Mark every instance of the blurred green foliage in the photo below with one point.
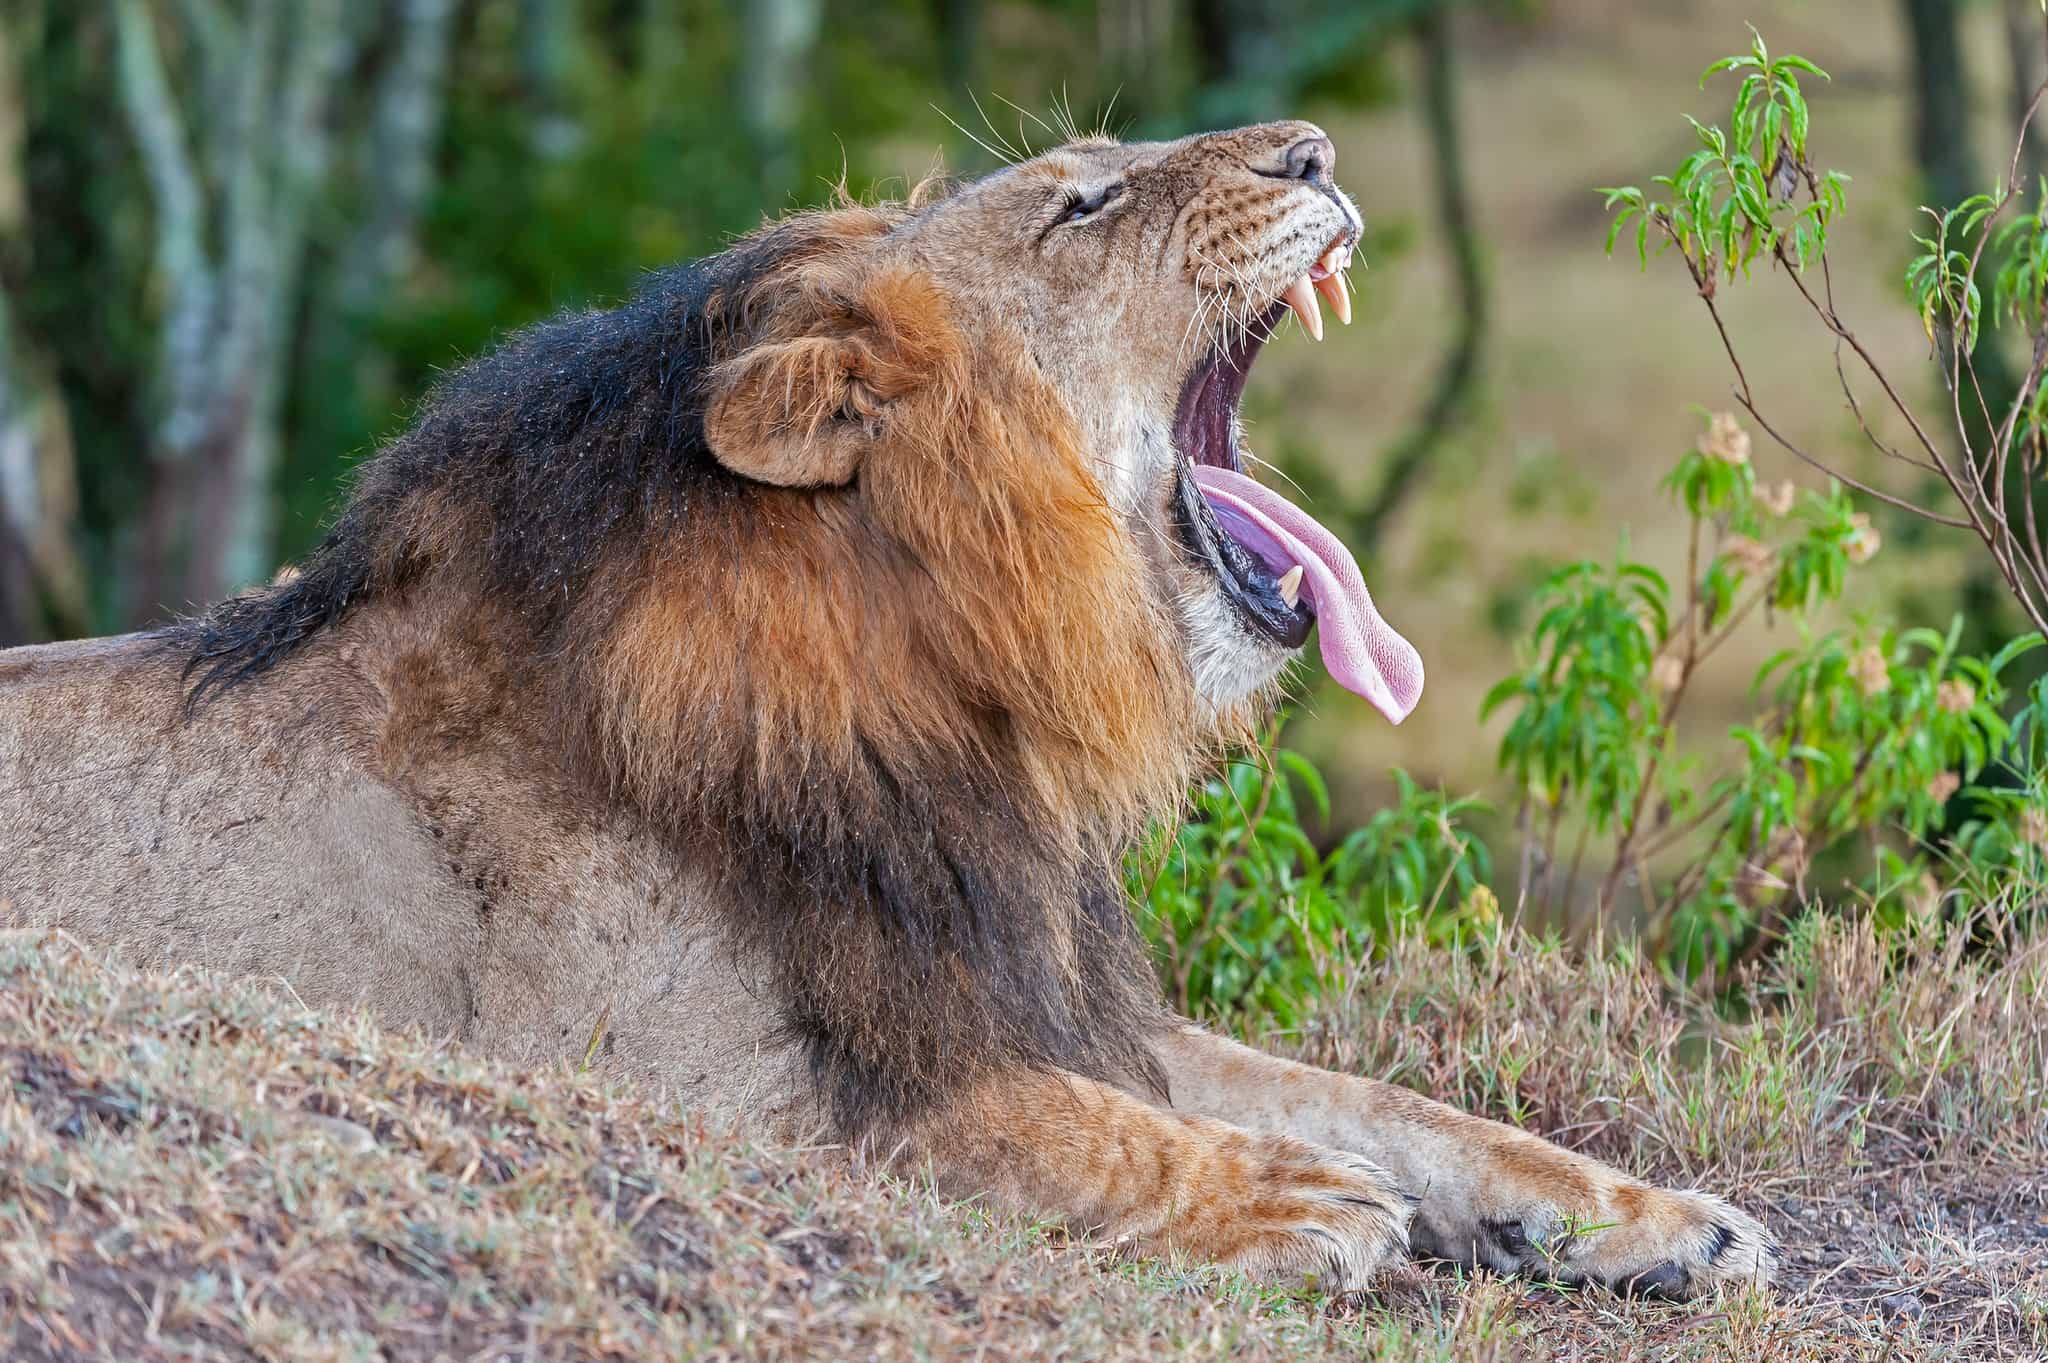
(581, 143)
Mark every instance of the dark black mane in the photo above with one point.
(561, 433)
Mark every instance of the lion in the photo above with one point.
(759, 685)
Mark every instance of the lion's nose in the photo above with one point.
(1294, 150)
(1312, 159)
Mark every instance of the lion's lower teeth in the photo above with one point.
(1290, 586)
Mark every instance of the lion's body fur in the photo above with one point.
(358, 828)
(755, 688)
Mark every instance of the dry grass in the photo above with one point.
(191, 1168)
(1886, 1111)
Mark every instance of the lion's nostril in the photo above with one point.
(1310, 159)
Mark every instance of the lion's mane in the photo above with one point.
(909, 725)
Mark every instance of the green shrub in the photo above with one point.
(1245, 909)
(1860, 735)
(1881, 765)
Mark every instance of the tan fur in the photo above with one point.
(811, 763)
(1489, 1194)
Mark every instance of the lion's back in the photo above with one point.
(340, 825)
(248, 837)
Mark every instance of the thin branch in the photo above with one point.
(1863, 424)
(1703, 281)
(1833, 322)
(1865, 488)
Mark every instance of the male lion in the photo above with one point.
(778, 667)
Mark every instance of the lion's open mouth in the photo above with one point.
(1279, 567)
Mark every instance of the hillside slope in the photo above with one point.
(195, 1168)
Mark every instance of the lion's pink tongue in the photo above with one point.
(1362, 651)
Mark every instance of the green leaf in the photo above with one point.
(1305, 772)
(2025, 644)
(1796, 116)
(1726, 64)
(1797, 63)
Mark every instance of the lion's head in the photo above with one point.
(1136, 283)
(898, 563)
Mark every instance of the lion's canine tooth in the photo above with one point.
(1301, 297)
(1290, 586)
(1333, 287)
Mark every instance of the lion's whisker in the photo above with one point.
(1278, 472)
(994, 132)
(1026, 113)
(1063, 109)
(1109, 111)
(1006, 160)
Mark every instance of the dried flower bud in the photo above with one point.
(2034, 826)
(1482, 906)
(1923, 897)
(1955, 696)
(1725, 439)
(1873, 675)
(1784, 176)
(1667, 672)
(1864, 541)
(1777, 498)
(1748, 555)
(1942, 786)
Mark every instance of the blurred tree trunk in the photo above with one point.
(959, 25)
(1941, 101)
(2025, 30)
(1136, 41)
(388, 175)
(778, 37)
(235, 141)
(1948, 169)
(42, 586)
(1948, 172)
(547, 57)
(1458, 371)
(398, 155)
(1235, 43)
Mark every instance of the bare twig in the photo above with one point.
(1832, 472)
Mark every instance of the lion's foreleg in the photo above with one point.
(1105, 1162)
(1490, 1194)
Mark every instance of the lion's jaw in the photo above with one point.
(1143, 278)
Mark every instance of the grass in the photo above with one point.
(198, 1168)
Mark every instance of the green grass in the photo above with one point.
(196, 1168)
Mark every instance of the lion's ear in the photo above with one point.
(804, 410)
(796, 413)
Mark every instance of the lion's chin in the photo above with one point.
(1237, 670)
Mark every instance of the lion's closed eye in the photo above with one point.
(1083, 205)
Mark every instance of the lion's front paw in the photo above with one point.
(1677, 1244)
(1642, 1241)
(1283, 1209)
